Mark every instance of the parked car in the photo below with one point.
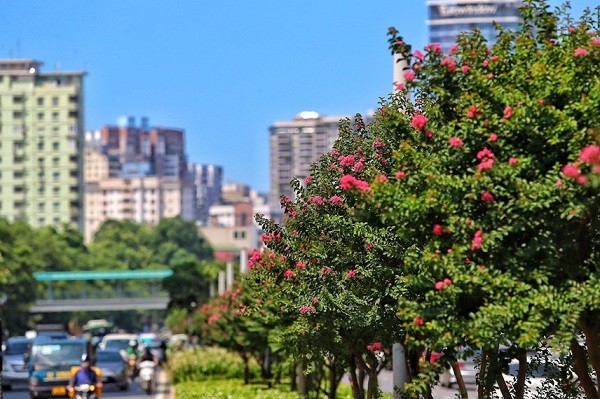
(113, 367)
(13, 367)
(468, 369)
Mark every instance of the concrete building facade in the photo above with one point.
(294, 146)
(208, 180)
(41, 144)
(448, 18)
(136, 173)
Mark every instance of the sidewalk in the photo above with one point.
(386, 383)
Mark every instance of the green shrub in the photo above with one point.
(235, 389)
(200, 364)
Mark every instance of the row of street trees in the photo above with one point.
(465, 215)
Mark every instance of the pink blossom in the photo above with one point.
(437, 229)
(419, 55)
(419, 322)
(399, 43)
(473, 111)
(485, 153)
(347, 160)
(307, 179)
(590, 154)
(582, 179)
(375, 346)
(381, 178)
(571, 171)
(486, 164)
(493, 137)
(348, 181)
(307, 309)
(428, 134)
(334, 152)
(289, 274)
(571, 29)
(315, 300)
(439, 285)
(400, 87)
(508, 112)
(326, 271)
(433, 47)
(490, 76)
(359, 166)
(485, 63)
(487, 197)
(513, 161)
(494, 58)
(558, 183)
(369, 246)
(351, 273)
(409, 76)
(418, 122)
(449, 63)
(378, 144)
(477, 240)
(316, 199)
(300, 265)
(400, 175)
(336, 200)
(455, 142)
(465, 68)
(581, 52)
(452, 50)
(447, 282)
(596, 41)
(417, 67)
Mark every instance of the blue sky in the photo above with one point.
(223, 70)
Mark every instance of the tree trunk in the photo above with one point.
(462, 389)
(246, 369)
(580, 367)
(372, 384)
(293, 377)
(356, 380)
(482, 374)
(522, 374)
(591, 334)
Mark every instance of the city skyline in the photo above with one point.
(223, 71)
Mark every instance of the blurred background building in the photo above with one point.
(449, 18)
(41, 125)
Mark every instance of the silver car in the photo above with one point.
(113, 367)
(468, 370)
(13, 368)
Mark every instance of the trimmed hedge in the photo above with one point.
(200, 364)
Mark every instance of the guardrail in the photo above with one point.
(72, 305)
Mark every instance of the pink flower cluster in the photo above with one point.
(473, 112)
(433, 47)
(455, 142)
(348, 181)
(487, 197)
(588, 155)
(300, 265)
(409, 76)
(326, 271)
(276, 236)
(347, 160)
(336, 200)
(507, 112)
(375, 346)
(351, 273)
(477, 240)
(307, 309)
(581, 52)
(449, 64)
(418, 122)
(400, 175)
(316, 199)
(254, 258)
(487, 159)
(437, 229)
(419, 322)
(440, 285)
(289, 274)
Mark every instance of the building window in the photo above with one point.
(56, 206)
(40, 145)
(40, 116)
(55, 116)
(40, 101)
(41, 206)
(41, 130)
(17, 114)
(56, 175)
(55, 190)
(55, 145)
(18, 100)
(41, 221)
(55, 130)
(54, 100)
(42, 190)
(56, 220)
(55, 161)
(18, 175)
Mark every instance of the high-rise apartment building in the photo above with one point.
(136, 173)
(294, 146)
(208, 180)
(41, 144)
(449, 18)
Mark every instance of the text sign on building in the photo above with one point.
(467, 10)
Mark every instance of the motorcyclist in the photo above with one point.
(85, 375)
(133, 354)
(132, 348)
(148, 355)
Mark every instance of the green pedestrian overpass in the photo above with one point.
(101, 290)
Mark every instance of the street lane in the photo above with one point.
(134, 391)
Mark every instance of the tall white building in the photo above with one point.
(208, 180)
(294, 146)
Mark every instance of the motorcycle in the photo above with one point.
(147, 375)
(84, 391)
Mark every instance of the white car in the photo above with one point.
(535, 380)
(116, 341)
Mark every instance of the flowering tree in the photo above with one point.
(494, 203)
(322, 271)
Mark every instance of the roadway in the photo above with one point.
(386, 384)
(134, 391)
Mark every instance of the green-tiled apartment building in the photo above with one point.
(41, 144)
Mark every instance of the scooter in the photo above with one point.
(84, 391)
(132, 368)
(147, 375)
